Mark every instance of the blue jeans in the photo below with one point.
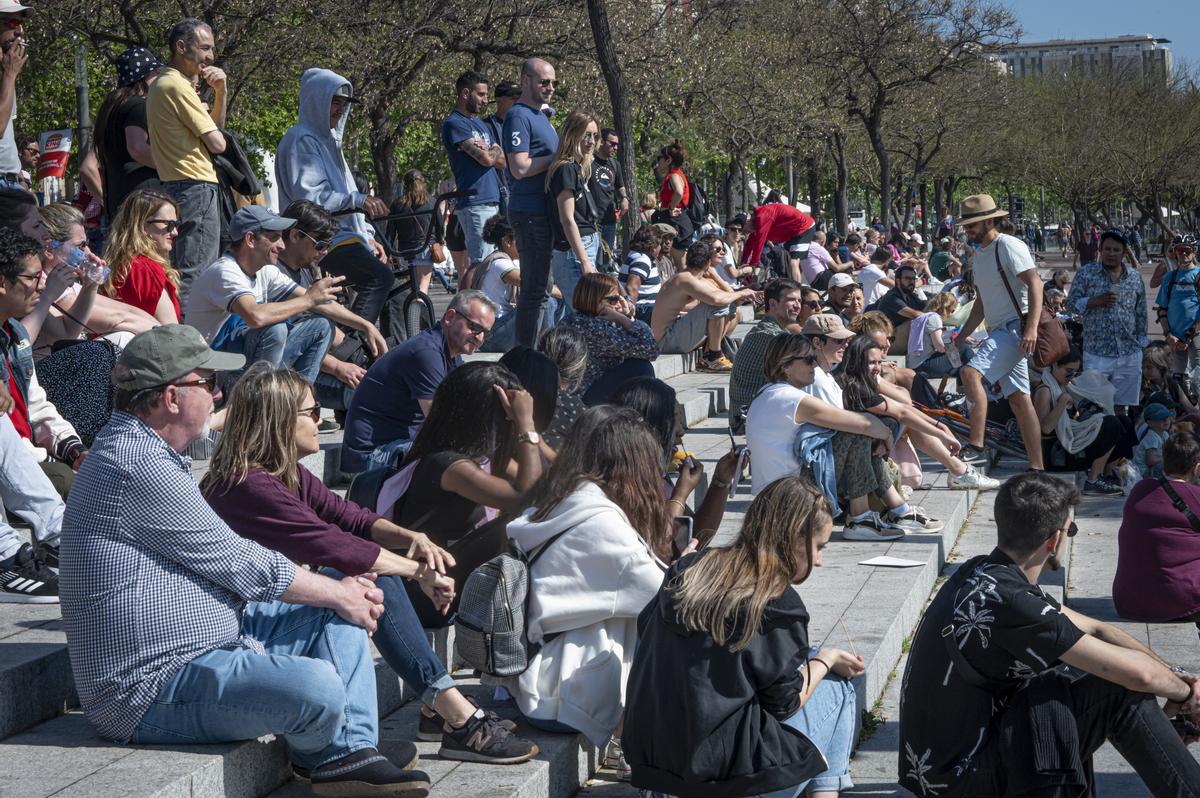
(608, 234)
(315, 687)
(389, 454)
(25, 492)
(331, 392)
(535, 242)
(199, 241)
(472, 218)
(504, 331)
(826, 719)
(402, 641)
(939, 365)
(565, 266)
(300, 345)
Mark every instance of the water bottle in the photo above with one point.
(86, 264)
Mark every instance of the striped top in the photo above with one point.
(640, 263)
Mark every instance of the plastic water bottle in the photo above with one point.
(86, 264)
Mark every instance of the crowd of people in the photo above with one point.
(246, 604)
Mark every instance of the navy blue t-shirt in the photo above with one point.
(528, 130)
(385, 405)
(468, 172)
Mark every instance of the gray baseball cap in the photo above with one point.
(253, 218)
(166, 353)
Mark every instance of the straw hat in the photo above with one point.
(978, 207)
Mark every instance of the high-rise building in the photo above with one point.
(1142, 55)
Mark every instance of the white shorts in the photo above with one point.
(1125, 373)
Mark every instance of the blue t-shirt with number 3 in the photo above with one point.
(527, 129)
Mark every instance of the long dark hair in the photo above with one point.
(614, 449)
(859, 386)
(654, 401)
(538, 375)
(115, 99)
(467, 416)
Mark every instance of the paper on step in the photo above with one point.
(891, 562)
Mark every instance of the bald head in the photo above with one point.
(537, 82)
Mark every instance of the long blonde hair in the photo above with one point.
(127, 239)
(570, 145)
(260, 428)
(725, 594)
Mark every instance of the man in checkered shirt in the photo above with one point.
(181, 631)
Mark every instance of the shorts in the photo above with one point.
(1125, 373)
(726, 311)
(798, 247)
(456, 239)
(1000, 359)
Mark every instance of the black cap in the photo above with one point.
(506, 88)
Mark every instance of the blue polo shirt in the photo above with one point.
(468, 172)
(526, 129)
(385, 405)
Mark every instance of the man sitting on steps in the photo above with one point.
(1036, 688)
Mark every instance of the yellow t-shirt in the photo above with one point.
(177, 119)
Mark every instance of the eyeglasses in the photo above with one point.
(1071, 374)
(613, 144)
(34, 149)
(169, 225)
(209, 383)
(320, 246)
(30, 281)
(544, 82)
(313, 412)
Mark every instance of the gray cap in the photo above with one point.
(253, 218)
(346, 93)
(166, 353)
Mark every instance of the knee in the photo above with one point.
(273, 335)
(379, 274)
(319, 695)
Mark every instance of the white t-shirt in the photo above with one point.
(494, 286)
(213, 292)
(825, 388)
(722, 269)
(997, 304)
(869, 278)
(771, 433)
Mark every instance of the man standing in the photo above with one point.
(13, 57)
(778, 223)
(529, 145)
(1036, 688)
(783, 299)
(309, 165)
(1012, 325)
(243, 303)
(1178, 306)
(1111, 298)
(506, 94)
(184, 135)
(396, 394)
(474, 157)
(217, 638)
(608, 190)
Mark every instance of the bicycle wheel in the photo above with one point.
(418, 314)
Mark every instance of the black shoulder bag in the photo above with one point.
(1179, 503)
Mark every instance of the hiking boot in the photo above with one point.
(368, 772)
(483, 738)
(871, 529)
(915, 520)
(714, 362)
(1101, 487)
(972, 480)
(26, 579)
(429, 728)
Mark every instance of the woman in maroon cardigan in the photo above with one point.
(1158, 562)
(257, 486)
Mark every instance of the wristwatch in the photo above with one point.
(529, 437)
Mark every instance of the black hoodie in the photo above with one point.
(701, 720)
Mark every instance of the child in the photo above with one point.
(1152, 434)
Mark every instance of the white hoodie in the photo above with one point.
(590, 586)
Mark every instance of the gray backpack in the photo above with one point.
(489, 628)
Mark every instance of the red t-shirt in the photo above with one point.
(20, 412)
(146, 281)
(666, 192)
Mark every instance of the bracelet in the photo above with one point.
(682, 506)
(720, 483)
(828, 668)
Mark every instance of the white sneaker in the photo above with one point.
(915, 520)
(872, 529)
(972, 480)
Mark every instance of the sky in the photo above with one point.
(1177, 20)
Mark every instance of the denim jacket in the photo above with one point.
(18, 350)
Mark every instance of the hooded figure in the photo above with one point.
(309, 164)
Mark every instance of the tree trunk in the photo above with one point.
(618, 93)
(867, 205)
(383, 138)
(814, 185)
(924, 209)
(789, 166)
(938, 202)
(730, 177)
(841, 199)
(885, 172)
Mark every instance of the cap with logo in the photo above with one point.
(828, 325)
(254, 218)
(162, 354)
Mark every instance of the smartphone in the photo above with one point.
(1185, 727)
(743, 458)
(683, 532)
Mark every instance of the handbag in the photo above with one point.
(437, 252)
(1052, 341)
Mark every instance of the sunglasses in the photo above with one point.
(812, 304)
(169, 225)
(1072, 530)
(809, 359)
(313, 412)
(209, 383)
(12, 24)
(544, 82)
(320, 246)
(475, 327)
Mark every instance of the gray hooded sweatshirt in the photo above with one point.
(309, 164)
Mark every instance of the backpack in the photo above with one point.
(489, 629)
(698, 207)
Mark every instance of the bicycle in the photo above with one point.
(416, 311)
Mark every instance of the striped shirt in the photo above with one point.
(151, 577)
(640, 263)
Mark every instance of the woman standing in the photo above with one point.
(725, 696)
(674, 197)
(572, 211)
(122, 142)
(139, 251)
